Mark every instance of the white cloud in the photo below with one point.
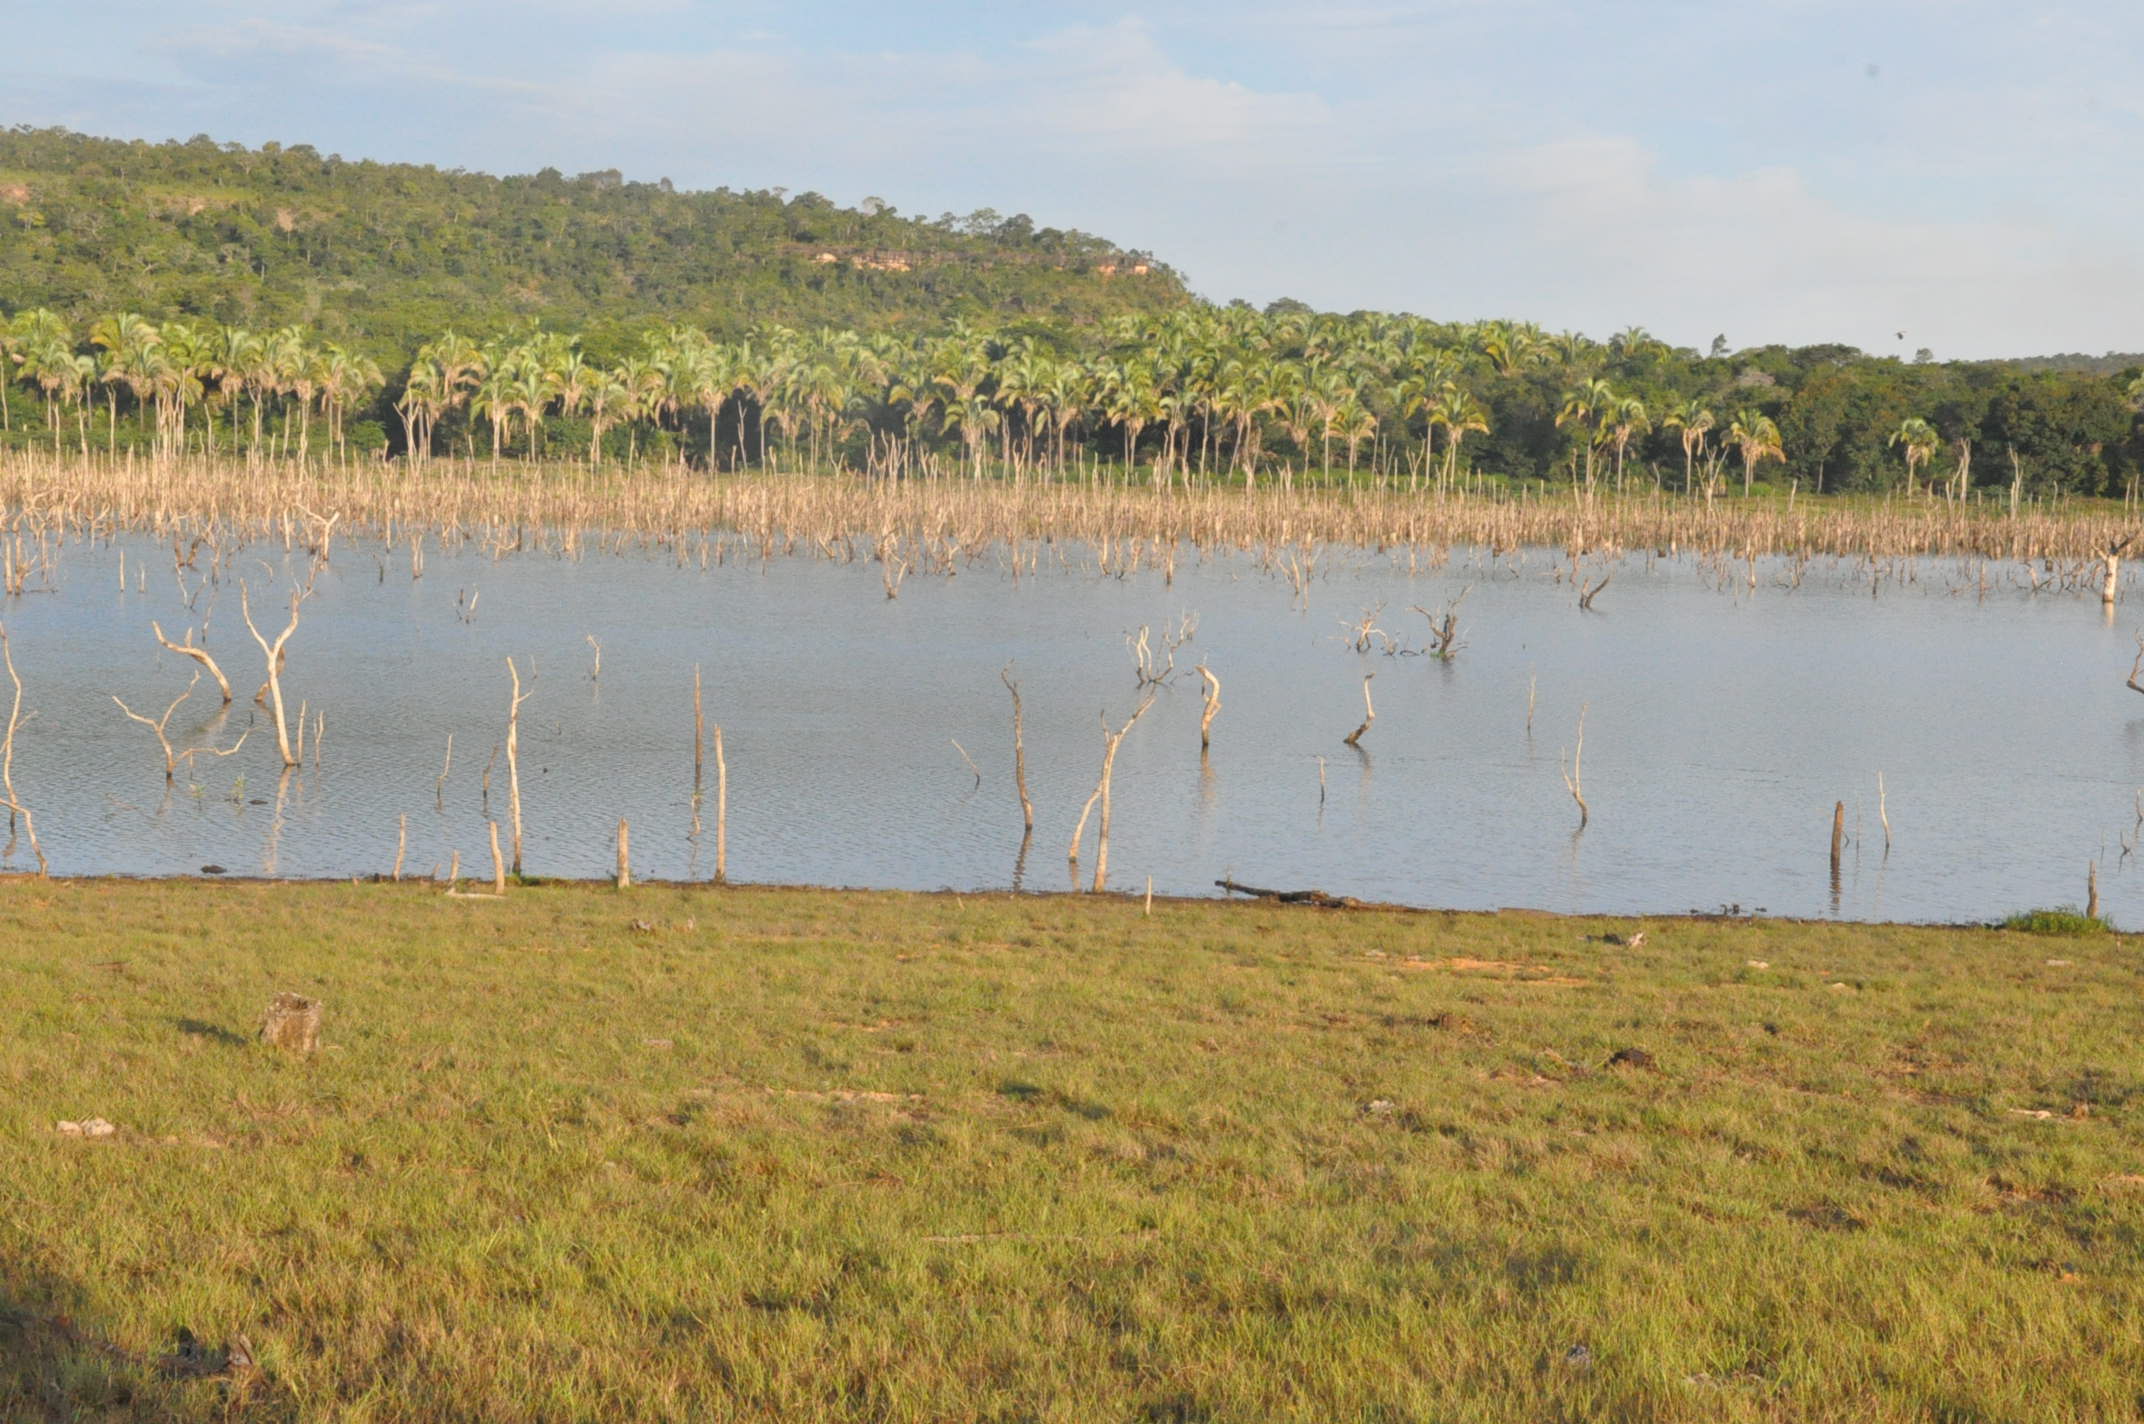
(1114, 86)
(1763, 254)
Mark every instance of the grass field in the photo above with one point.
(769, 1154)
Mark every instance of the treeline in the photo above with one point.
(1201, 393)
(379, 256)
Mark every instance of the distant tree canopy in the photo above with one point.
(196, 296)
(1197, 393)
(383, 255)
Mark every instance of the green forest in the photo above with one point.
(197, 297)
(379, 256)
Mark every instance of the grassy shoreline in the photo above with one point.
(686, 1152)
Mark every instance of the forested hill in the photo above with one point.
(385, 255)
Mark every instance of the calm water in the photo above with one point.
(1720, 726)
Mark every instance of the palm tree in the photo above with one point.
(1625, 418)
(1134, 404)
(178, 362)
(1695, 422)
(1327, 391)
(1459, 414)
(571, 380)
(607, 397)
(1757, 438)
(973, 417)
(495, 399)
(224, 359)
(914, 393)
(128, 341)
(425, 395)
(10, 357)
(640, 380)
(1919, 440)
(1636, 344)
(532, 388)
(47, 360)
(1588, 406)
(1023, 382)
(1355, 423)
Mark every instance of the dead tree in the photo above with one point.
(1587, 595)
(1444, 643)
(1575, 777)
(2111, 577)
(1369, 713)
(1212, 689)
(174, 759)
(1363, 633)
(513, 759)
(199, 655)
(1141, 645)
(15, 808)
(1109, 762)
(722, 811)
(1019, 749)
(1110, 742)
(274, 654)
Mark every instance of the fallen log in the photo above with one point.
(1290, 897)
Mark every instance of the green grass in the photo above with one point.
(2062, 920)
(799, 1155)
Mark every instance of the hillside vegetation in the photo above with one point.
(383, 255)
(207, 299)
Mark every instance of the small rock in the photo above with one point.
(1378, 1107)
(1631, 1058)
(1841, 987)
(1578, 1357)
(88, 1127)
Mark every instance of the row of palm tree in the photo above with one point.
(1205, 392)
(1191, 395)
(180, 379)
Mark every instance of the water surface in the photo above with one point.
(1721, 725)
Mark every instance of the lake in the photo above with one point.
(1721, 724)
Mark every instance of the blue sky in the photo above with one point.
(1966, 171)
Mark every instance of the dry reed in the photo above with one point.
(938, 521)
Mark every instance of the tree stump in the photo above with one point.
(292, 1024)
